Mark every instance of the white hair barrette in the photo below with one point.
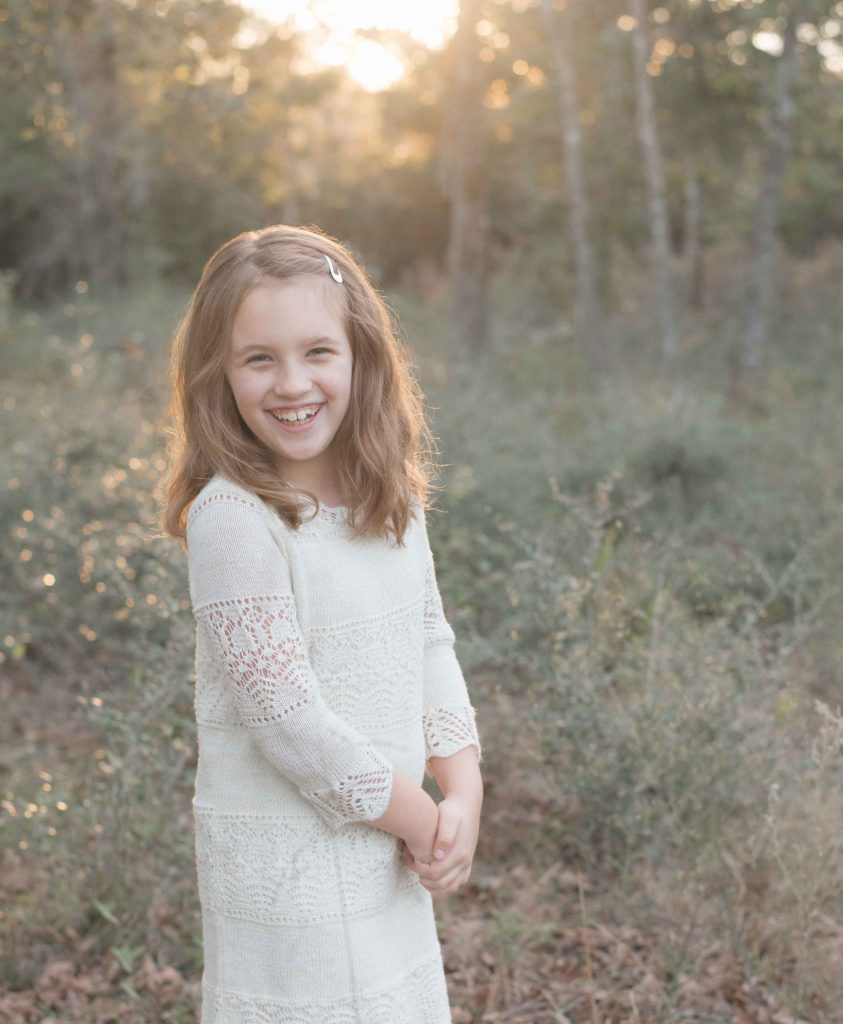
(335, 273)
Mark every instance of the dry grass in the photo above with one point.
(647, 613)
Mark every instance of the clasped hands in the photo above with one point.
(444, 863)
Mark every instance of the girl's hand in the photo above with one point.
(456, 837)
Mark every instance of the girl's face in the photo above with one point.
(289, 353)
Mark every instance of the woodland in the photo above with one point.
(611, 236)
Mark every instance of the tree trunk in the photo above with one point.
(767, 209)
(290, 209)
(589, 314)
(656, 190)
(97, 227)
(101, 181)
(691, 235)
(463, 175)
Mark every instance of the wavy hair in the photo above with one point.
(384, 448)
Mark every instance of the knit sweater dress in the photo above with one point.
(322, 664)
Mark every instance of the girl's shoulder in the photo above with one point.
(226, 499)
(218, 490)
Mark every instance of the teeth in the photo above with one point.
(296, 417)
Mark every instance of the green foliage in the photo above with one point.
(646, 605)
(645, 602)
(97, 630)
(139, 137)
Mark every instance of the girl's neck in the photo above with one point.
(328, 494)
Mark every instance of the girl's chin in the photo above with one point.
(295, 451)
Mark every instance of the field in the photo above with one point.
(646, 592)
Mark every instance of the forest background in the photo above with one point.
(612, 232)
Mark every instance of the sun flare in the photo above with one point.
(335, 24)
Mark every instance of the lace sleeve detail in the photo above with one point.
(449, 718)
(242, 596)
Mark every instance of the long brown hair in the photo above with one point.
(384, 447)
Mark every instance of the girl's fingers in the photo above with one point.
(446, 883)
(441, 877)
(435, 872)
(415, 865)
(445, 891)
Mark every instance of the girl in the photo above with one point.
(326, 679)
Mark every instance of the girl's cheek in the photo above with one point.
(251, 387)
(339, 385)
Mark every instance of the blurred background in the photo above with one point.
(612, 233)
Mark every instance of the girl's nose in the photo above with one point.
(292, 383)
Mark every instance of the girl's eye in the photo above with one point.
(251, 359)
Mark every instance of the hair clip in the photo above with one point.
(335, 273)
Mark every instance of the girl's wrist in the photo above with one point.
(411, 815)
(423, 830)
(459, 775)
(467, 791)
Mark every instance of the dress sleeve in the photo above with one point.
(241, 593)
(449, 718)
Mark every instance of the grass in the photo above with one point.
(646, 603)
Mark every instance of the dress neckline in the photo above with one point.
(331, 515)
(322, 504)
(328, 516)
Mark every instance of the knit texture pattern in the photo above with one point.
(323, 664)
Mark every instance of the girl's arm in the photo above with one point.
(242, 598)
(452, 748)
(412, 815)
(458, 826)
(459, 775)
(449, 718)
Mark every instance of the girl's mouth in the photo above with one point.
(296, 427)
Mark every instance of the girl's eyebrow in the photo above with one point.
(305, 341)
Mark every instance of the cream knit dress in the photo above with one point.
(322, 663)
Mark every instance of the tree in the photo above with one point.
(589, 313)
(767, 211)
(465, 179)
(656, 190)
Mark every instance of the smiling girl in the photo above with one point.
(293, 387)
(326, 678)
